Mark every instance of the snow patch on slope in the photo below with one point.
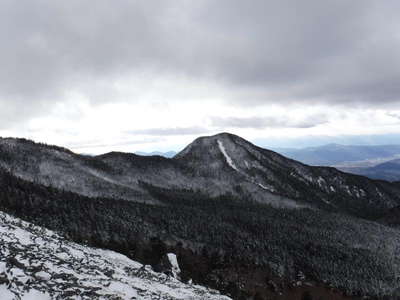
(176, 270)
(36, 263)
(227, 157)
(271, 189)
(103, 177)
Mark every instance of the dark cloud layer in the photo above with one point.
(333, 51)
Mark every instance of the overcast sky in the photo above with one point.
(101, 75)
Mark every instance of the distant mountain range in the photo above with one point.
(335, 154)
(168, 154)
(377, 162)
(389, 170)
(242, 219)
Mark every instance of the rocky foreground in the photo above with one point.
(36, 264)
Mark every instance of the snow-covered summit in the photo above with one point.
(36, 263)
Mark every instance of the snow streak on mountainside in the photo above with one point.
(227, 157)
(36, 263)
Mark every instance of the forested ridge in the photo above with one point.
(258, 175)
(221, 241)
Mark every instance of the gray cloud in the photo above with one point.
(170, 131)
(259, 52)
(98, 144)
(268, 122)
(394, 115)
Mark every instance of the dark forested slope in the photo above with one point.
(239, 247)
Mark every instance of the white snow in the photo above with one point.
(43, 275)
(58, 267)
(5, 294)
(227, 157)
(379, 192)
(176, 270)
(271, 189)
(2, 267)
(35, 295)
(321, 182)
(348, 190)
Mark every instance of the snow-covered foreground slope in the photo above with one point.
(37, 264)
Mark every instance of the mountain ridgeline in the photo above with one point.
(342, 155)
(242, 219)
(374, 161)
(389, 170)
(215, 166)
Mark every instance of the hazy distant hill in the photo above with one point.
(389, 170)
(376, 162)
(335, 154)
(168, 154)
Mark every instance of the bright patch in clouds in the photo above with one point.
(154, 75)
(131, 127)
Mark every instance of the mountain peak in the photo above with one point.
(207, 147)
(223, 136)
